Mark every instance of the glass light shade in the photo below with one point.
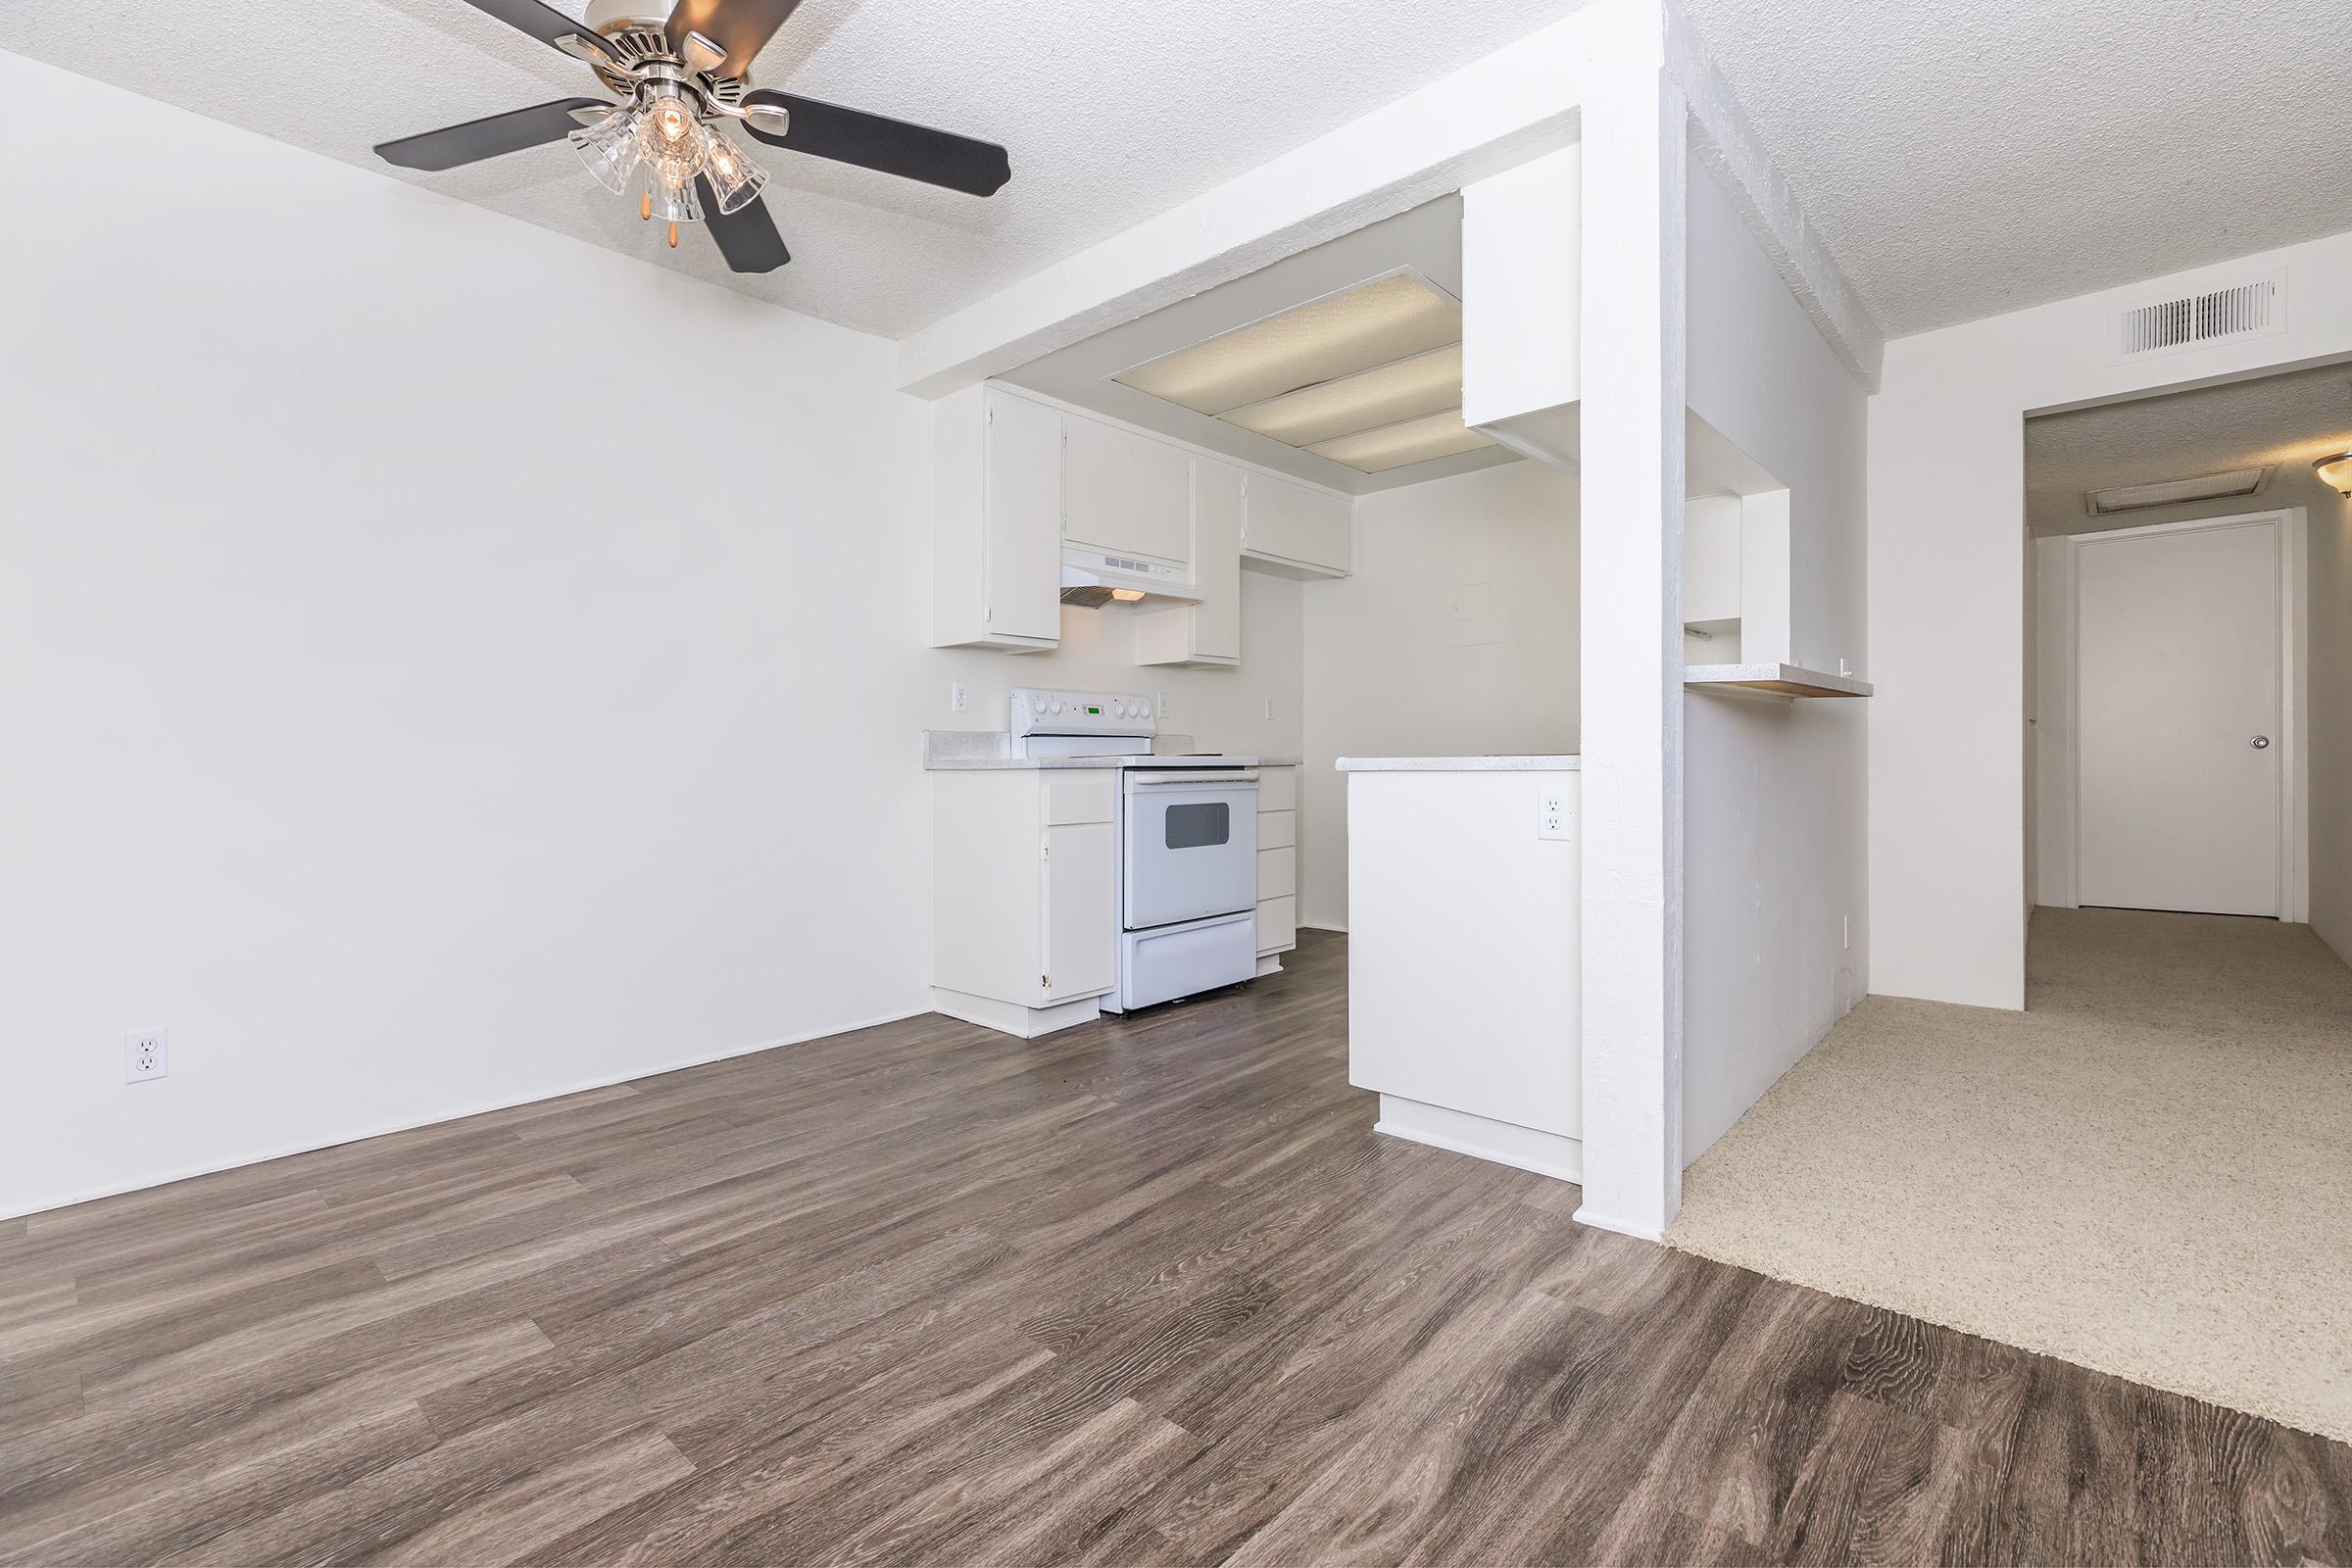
(609, 148)
(734, 178)
(2335, 471)
(675, 202)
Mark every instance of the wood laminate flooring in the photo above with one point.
(1148, 1291)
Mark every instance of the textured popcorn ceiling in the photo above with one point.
(1112, 113)
(2281, 422)
(1963, 158)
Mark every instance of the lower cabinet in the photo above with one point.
(1025, 916)
(1277, 861)
(1080, 889)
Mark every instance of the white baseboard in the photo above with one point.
(1527, 1149)
(1586, 1214)
(1323, 925)
(283, 1151)
(1010, 1017)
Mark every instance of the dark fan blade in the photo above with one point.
(747, 236)
(741, 27)
(893, 146)
(541, 22)
(477, 139)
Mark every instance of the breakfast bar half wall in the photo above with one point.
(1463, 966)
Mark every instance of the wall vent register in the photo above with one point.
(2255, 308)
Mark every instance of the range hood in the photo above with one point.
(1095, 578)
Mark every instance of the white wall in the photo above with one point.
(1947, 500)
(1222, 709)
(421, 698)
(1400, 661)
(2329, 741)
(1773, 792)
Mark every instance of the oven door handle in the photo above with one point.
(1140, 778)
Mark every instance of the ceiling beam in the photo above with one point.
(1510, 106)
(1517, 103)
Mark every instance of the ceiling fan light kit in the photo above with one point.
(679, 79)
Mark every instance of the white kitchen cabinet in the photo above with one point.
(997, 480)
(1124, 493)
(1277, 866)
(1210, 632)
(1025, 916)
(1081, 956)
(1297, 526)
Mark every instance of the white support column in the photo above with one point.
(1634, 171)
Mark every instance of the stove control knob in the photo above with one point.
(1054, 707)
(1118, 710)
(1040, 704)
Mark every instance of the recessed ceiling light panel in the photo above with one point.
(1342, 334)
(1436, 435)
(1427, 383)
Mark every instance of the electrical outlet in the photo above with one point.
(958, 700)
(1845, 931)
(1551, 813)
(146, 1053)
(1162, 705)
(1269, 707)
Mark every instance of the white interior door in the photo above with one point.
(2177, 719)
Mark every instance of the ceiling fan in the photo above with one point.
(679, 79)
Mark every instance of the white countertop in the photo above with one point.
(955, 750)
(1569, 763)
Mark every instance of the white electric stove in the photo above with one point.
(1188, 842)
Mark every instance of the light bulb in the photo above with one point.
(673, 122)
(734, 178)
(1127, 596)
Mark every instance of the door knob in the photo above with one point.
(2262, 743)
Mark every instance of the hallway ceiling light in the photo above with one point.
(2171, 492)
(1373, 323)
(2336, 472)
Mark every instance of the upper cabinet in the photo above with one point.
(1293, 525)
(996, 561)
(1210, 632)
(1124, 493)
(1016, 480)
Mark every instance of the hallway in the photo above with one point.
(2146, 1172)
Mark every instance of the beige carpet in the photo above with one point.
(2148, 1171)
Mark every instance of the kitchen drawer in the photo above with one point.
(1277, 789)
(1277, 925)
(1080, 795)
(1277, 873)
(1277, 830)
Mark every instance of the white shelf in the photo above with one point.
(1773, 680)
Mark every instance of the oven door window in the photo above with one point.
(1199, 825)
